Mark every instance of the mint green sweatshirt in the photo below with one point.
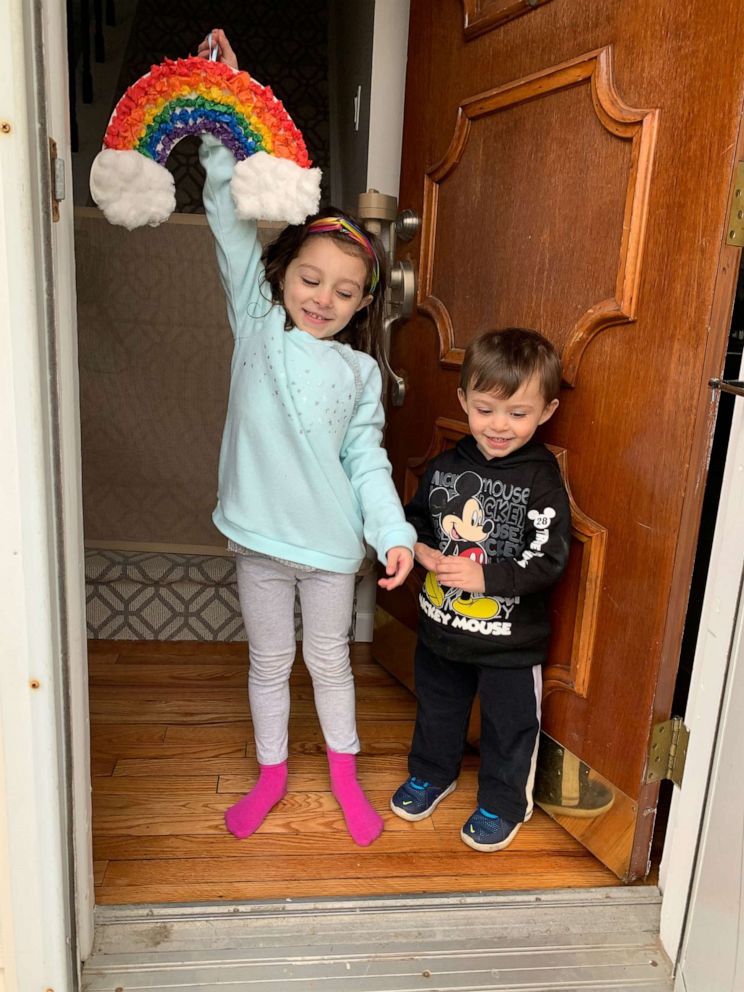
(303, 475)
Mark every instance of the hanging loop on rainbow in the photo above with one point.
(272, 179)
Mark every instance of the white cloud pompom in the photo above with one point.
(131, 189)
(268, 188)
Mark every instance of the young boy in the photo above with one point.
(493, 525)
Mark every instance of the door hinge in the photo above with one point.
(668, 751)
(57, 178)
(735, 230)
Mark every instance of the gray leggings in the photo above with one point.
(267, 595)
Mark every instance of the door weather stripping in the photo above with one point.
(668, 751)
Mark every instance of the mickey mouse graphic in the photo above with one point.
(462, 522)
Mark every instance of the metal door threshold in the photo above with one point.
(541, 941)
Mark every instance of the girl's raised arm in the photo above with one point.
(238, 247)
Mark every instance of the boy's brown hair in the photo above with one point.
(500, 361)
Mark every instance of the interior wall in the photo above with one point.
(350, 36)
(154, 359)
(368, 48)
(387, 95)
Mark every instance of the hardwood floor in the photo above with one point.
(172, 748)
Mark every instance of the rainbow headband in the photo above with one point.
(340, 225)
(272, 179)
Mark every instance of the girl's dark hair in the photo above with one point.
(500, 361)
(364, 330)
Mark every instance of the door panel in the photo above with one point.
(572, 174)
(589, 159)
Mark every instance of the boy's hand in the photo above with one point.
(462, 573)
(399, 564)
(223, 46)
(426, 556)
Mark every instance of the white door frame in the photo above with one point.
(42, 609)
(712, 954)
(69, 496)
(713, 655)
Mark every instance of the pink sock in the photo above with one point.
(364, 824)
(247, 815)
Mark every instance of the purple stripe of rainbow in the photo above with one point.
(177, 120)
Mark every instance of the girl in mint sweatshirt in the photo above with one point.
(304, 480)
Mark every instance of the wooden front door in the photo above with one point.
(572, 165)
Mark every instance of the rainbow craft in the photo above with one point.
(272, 179)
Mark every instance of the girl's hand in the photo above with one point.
(462, 573)
(223, 46)
(399, 564)
(426, 556)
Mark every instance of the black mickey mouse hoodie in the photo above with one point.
(512, 516)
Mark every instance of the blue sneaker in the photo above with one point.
(488, 832)
(416, 799)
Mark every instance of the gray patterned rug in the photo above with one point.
(159, 596)
(162, 597)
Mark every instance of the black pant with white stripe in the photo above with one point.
(510, 724)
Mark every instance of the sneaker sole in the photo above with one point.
(490, 847)
(413, 817)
